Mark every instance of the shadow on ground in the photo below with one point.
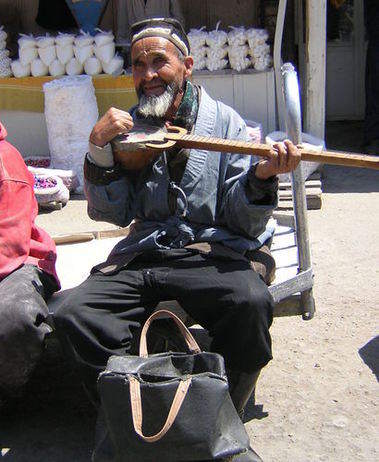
(370, 355)
(52, 421)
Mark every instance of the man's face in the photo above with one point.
(158, 74)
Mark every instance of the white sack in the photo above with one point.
(82, 53)
(56, 68)
(3, 34)
(237, 36)
(197, 38)
(92, 66)
(103, 37)
(64, 39)
(74, 67)
(27, 55)
(38, 68)
(115, 65)
(105, 52)
(19, 70)
(64, 53)
(71, 112)
(47, 54)
(45, 41)
(84, 39)
(26, 41)
(216, 38)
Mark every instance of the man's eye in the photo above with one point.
(159, 60)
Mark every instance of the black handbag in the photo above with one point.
(169, 406)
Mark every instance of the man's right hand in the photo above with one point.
(113, 122)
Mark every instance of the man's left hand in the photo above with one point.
(285, 157)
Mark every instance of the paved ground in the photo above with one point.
(316, 401)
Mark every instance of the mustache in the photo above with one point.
(157, 106)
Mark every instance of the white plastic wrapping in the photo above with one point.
(83, 39)
(197, 38)
(115, 65)
(71, 112)
(47, 54)
(216, 38)
(256, 37)
(82, 53)
(237, 36)
(92, 66)
(26, 41)
(259, 49)
(38, 68)
(3, 34)
(105, 52)
(62, 39)
(216, 64)
(56, 68)
(74, 67)
(199, 64)
(103, 38)
(45, 41)
(5, 67)
(20, 70)
(238, 57)
(64, 52)
(27, 55)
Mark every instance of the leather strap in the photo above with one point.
(136, 403)
(191, 342)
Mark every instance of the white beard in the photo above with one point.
(157, 106)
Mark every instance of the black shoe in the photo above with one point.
(241, 387)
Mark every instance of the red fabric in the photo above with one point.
(21, 241)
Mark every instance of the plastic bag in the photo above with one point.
(216, 38)
(50, 188)
(238, 57)
(197, 38)
(103, 37)
(70, 112)
(47, 54)
(84, 39)
(105, 52)
(27, 55)
(19, 69)
(82, 53)
(74, 67)
(115, 65)
(38, 68)
(64, 39)
(237, 36)
(92, 66)
(216, 64)
(45, 41)
(26, 41)
(64, 53)
(56, 68)
(3, 34)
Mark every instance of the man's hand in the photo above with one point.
(285, 158)
(113, 122)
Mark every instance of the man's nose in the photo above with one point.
(150, 73)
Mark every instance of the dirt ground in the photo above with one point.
(316, 401)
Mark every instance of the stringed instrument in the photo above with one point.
(147, 137)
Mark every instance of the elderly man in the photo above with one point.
(197, 215)
(27, 273)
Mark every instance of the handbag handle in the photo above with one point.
(135, 400)
(188, 337)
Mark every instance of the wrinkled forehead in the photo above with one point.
(150, 46)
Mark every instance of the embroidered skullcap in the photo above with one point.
(168, 28)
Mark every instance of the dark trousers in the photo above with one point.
(23, 324)
(100, 317)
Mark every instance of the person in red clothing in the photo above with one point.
(27, 273)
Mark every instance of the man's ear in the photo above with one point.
(188, 63)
